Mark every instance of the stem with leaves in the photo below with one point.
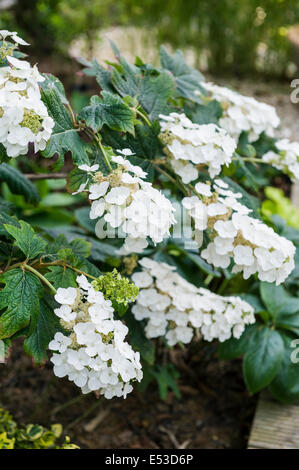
(139, 113)
(40, 276)
(98, 140)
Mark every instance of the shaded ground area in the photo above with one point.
(215, 410)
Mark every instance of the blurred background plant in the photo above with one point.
(277, 204)
(228, 37)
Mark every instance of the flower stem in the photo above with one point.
(139, 113)
(103, 152)
(40, 276)
(79, 271)
(72, 114)
(170, 178)
(252, 160)
(208, 279)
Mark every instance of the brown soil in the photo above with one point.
(214, 411)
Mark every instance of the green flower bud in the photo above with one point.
(116, 288)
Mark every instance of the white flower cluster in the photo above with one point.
(189, 144)
(285, 159)
(253, 246)
(123, 200)
(174, 308)
(95, 356)
(243, 113)
(24, 118)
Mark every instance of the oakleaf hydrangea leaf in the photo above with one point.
(29, 243)
(47, 325)
(65, 138)
(187, 78)
(20, 297)
(18, 183)
(110, 110)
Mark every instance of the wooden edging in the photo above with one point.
(275, 426)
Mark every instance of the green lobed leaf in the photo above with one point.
(76, 178)
(47, 325)
(20, 298)
(86, 266)
(18, 183)
(110, 110)
(61, 276)
(6, 219)
(187, 78)
(145, 144)
(26, 239)
(205, 114)
(65, 138)
(81, 247)
(6, 206)
(53, 82)
(153, 92)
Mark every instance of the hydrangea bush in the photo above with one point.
(167, 176)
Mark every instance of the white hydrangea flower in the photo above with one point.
(66, 296)
(24, 117)
(88, 168)
(60, 342)
(174, 308)
(12, 36)
(285, 159)
(243, 113)
(95, 356)
(124, 201)
(189, 144)
(252, 246)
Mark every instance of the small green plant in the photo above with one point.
(32, 436)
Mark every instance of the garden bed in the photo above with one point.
(215, 410)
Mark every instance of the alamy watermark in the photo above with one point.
(294, 96)
(295, 354)
(182, 229)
